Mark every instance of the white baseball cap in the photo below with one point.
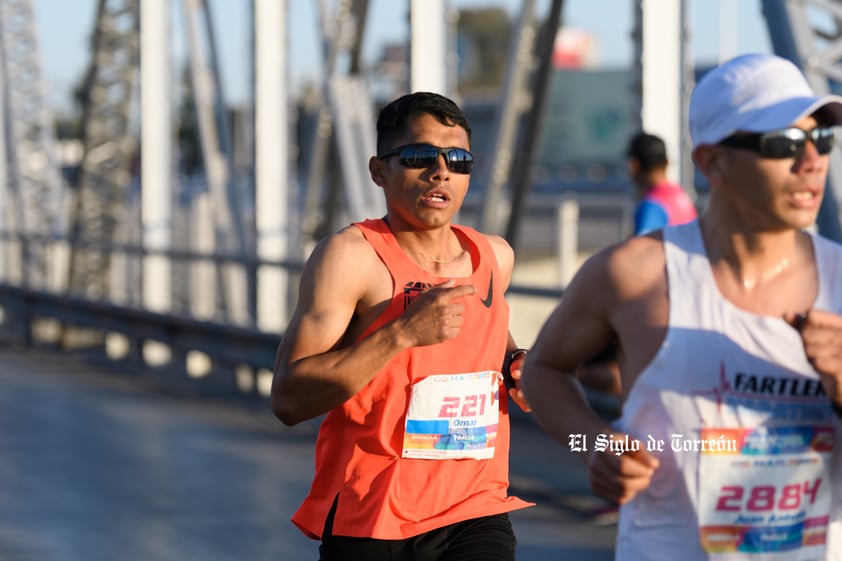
(753, 93)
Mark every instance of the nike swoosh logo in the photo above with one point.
(487, 301)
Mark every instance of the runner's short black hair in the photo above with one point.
(395, 116)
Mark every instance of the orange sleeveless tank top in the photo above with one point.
(382, 488)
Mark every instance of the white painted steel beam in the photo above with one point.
(272, 177)
(428, 46)
(156, 162)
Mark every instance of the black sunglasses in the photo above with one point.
(783, 143)
(419, 156)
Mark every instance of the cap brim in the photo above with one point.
(788, 112)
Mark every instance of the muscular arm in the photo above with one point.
(583, 324)
(575, 331)
(318, 366)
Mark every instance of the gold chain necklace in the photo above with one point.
(422, 255)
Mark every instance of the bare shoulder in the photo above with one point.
(621, 273)
(608, 298)
(504, 253)
(346, 245)
(636, 265)
(341, 264)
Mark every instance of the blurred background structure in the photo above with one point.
(168, 165)
(142, 208)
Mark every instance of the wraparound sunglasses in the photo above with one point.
(783, 143)
(419, 156)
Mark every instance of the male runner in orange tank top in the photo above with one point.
(400, 337)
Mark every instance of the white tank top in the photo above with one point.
(748, 470)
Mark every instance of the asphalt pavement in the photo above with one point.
(99, 465)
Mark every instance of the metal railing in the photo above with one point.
(35, 313)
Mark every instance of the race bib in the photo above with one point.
(768, 494)
(453, 416)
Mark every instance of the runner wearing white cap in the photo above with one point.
(729, 339)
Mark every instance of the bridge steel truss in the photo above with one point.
(102, 211)
(32, 193)
(109, 148)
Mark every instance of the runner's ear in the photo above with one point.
(376, 168)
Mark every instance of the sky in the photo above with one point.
(64, 28)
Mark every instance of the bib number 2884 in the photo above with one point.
(761, 498)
